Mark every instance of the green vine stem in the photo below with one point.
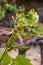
(10, 41)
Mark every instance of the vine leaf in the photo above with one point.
(6, 60)
(20, 60)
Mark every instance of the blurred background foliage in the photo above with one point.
(10, 7)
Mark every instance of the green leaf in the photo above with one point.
(2, 13)
(10, 8)
(6, 60)
(21, 9)
(20, 60)
(23, 21)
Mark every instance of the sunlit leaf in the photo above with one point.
(6, 60)
(20, 60)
